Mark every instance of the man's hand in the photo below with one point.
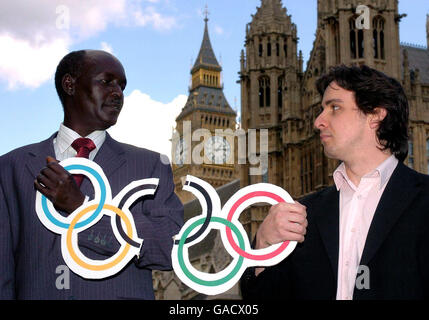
(284, 222)
(59, 186)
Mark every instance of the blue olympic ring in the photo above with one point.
(96, 212)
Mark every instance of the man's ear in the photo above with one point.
(376, 117)
(68, 84)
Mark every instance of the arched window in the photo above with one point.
(378, 37)
(360, 44)
(375, 43)
(261, 95)
(269, 48)
(277, 49)
(268, 94)
(261, 49)
(264, 92)
(356, 41)
(280, 93)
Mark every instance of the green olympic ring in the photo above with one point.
(182, 262)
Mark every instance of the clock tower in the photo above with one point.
(203, 140)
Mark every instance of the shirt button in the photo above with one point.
(353, 230)
(347, 263)
(359, 197)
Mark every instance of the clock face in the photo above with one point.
(217, 150)
(181, 152)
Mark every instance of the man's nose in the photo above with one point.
(320, 121)
(116, 91)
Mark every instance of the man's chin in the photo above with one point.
(107, 124)
(329, 153)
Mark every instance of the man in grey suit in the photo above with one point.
(90, 85)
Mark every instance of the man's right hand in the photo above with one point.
(59, 186)
(284, 222)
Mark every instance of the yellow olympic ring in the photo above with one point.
(106, 266)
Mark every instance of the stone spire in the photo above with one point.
(206, 89)
(270, 9)
(206, 57)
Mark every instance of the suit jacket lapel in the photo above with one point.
(110, 158)
(327, 220)
(38, 155)
(392, 204)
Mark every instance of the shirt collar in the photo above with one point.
(383, 171)
(66, 136)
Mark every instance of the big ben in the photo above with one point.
(203, 141)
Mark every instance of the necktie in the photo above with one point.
(83, 146)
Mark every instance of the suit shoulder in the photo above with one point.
(415, 175)
(149, 155)
(308, 199)
(424, 179)
(18, 153)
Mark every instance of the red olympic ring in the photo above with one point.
(229, 233)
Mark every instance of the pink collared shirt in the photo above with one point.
(357, 208)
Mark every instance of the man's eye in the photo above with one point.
(335, 108)
(104, 81)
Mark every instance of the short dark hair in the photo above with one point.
(374, 89)
(72, 64)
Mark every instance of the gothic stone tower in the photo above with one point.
(209, 157)
(347, 38)
(270, 79)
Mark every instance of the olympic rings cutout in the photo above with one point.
(89, 213)
(226, 221)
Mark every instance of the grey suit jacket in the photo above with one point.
(30, 254)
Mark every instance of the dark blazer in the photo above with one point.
(396, 249)
(30, 253)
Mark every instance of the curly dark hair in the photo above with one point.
(72, 64)
(374, 89)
